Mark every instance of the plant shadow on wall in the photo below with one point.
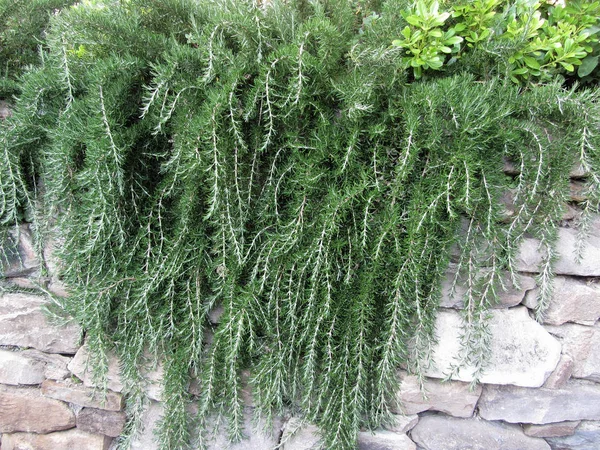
(290, 164)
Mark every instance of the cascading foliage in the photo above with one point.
(280, 162)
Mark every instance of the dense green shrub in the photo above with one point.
(22, 25)
(277, 160)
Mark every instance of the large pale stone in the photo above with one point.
(582, 344)
(17, 255)
(551, 429)
(151, 372)
(402, 423)
(384, 440)
(25, 409)
(298, 435)
(573, 300)
(23, 323)
(529, 257)
(437, 432)
(578, 400)
(451, 397)
(16, 369)
(586, 437)
(145, 439)
(81, 369)
(100, 421)
(82, 395)
(55, 365)
(522, 352)
(506, 298)
(64, 440)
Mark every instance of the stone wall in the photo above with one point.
(541, 389)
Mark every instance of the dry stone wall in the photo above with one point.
(541, 390)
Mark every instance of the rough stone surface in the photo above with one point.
(55, 365)
(551, 429)
(574, 300)
(145, 440)
(256, 438)
(100, 421)
(510, 297)
(582, 344)
(384, 440)
(561, 374)
(578, 400)
(23, 323)
(529, 257)
(79, 367)
(18, 369)
(451, 397)
(25, 409)
(586, 437)
(82, 395)
(65, 440)
(299, 436)
(4, 110)
(438, 432)
(18, 257)
(522, 352)
(403, 423)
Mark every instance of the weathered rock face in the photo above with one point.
(55, 365)
(582, 344)
(17, 369)
(573, 301)
(100, 421)
(438, 432)
(22, 323)
(451, 397)
(586, 437)
(24, 409)
(522, 352)
(384, 440)
(145, 440)
(402, 423)
(561, 374)
(299, 436)
(551, 429)
(79, 367)
(19, 258)
(506, 299)
(529, 257)
(64, 440)
(82, 396)
(578, 400)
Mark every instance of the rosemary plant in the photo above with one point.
(276, 161)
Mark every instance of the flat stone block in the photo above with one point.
(100, 421)
(63, 440)
(82, 395)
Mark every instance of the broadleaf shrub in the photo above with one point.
(279, 161)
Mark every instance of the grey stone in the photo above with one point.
(586, 437)
(522, 352)
(507, 298)
(402, 423)
(64, 440)
(24, 324)
(79, 367)
(451, 397)
(582, 344)
(100, 421)
(384, 440)
(561, 374)
(529, 256)
(298, 435)
(578, 400)
(438, 432)
(82, 395)
(17, 256)
(578, 191)
(145, 439)
(25, 409)
(551, 429)
(55, 365)
(18, 369)
(573, 300)
(5, 110)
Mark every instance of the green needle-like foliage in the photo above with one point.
(273, 160)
